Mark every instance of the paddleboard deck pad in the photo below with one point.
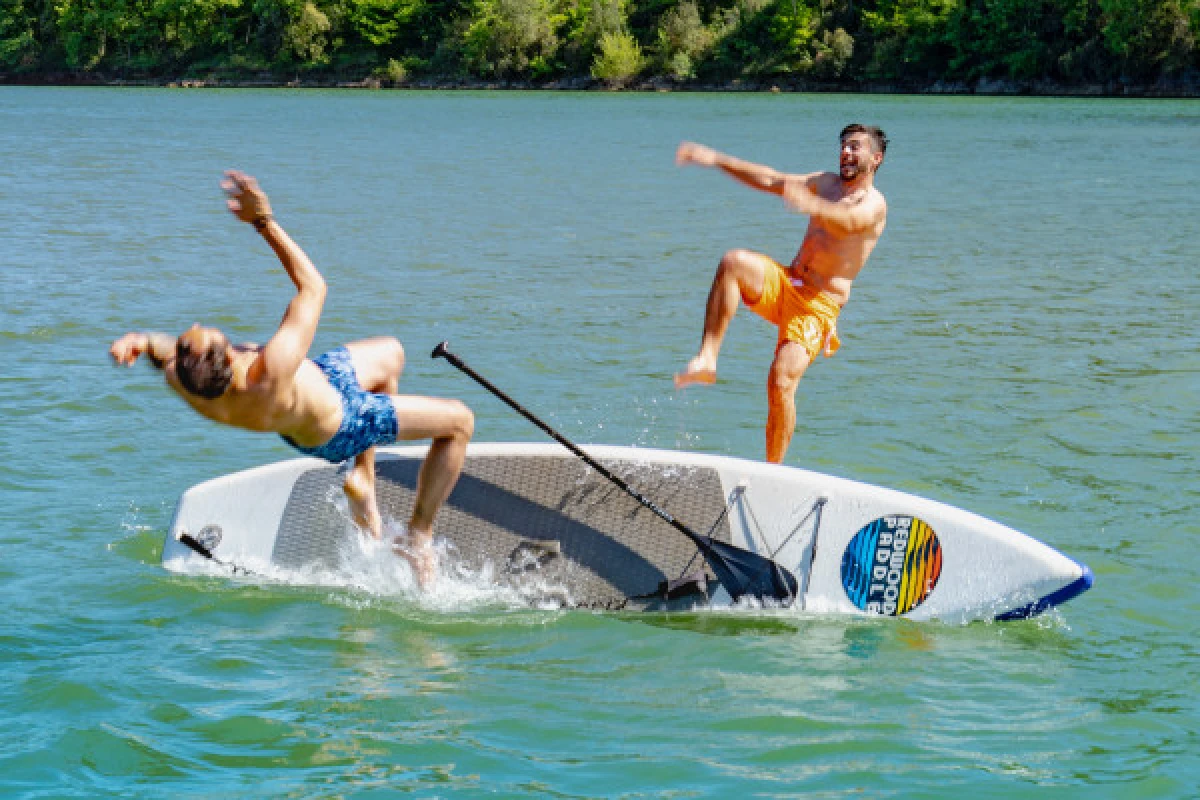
(541, 520)
(536, 518)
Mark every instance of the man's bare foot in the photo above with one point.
(699, 370)
(363, 507)
(417, 550)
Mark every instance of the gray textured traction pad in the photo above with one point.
(505, 509)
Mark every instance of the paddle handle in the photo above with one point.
(443, 351)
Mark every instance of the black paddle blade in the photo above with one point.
(746, 574)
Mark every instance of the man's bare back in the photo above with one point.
(305, 409)
(847, 215)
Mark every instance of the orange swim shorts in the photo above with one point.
(803, 314)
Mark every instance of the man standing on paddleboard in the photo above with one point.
(847, 215)
(338, 406)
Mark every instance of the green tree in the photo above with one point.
(87, 28)
(619, 59)
(683, 39)
(187, 32)
(304, 36)
(910, 39)
(18, 41)
(382, 23)
(511, 38)
(761, 38)
(584, 23)
(1149, 37)
(833, 54)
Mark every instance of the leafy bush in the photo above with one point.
(680, 67)
(393, 72)
(619, 60)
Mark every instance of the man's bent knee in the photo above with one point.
(738, 260)
(463, 420)
(747, 269)
(395, 355)
(468, 424)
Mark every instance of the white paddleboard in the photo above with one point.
(535, 509)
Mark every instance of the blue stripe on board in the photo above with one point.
(1074, 589)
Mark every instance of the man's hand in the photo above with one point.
(247, 202)
(128, 348)
(698, 154)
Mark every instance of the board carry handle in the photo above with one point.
(193, 544)
(741, 572)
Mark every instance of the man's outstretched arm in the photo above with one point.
(756, 176)
(158, 347)
(801, 195)
(288, 347)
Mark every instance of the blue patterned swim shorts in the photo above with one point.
(367, 419)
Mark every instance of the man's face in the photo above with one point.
(858, 156)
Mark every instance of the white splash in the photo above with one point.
(373, 568)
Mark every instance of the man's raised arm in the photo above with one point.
(288, 348)
(756, 176)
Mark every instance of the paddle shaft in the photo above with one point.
(701, 541)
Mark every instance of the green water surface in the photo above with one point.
(1022, 344)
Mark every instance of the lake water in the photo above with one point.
(1022, 344)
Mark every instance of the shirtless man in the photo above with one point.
(847, 215)
(336, 407)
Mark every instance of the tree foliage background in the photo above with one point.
(834, 42)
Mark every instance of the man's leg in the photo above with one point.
(377, 363)
(359, 487)
(791, 359)
(740, 276)
(450, 424)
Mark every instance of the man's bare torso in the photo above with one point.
(829, 258)
(306, 409)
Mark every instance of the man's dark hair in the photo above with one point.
(207, 372)
(879, 139)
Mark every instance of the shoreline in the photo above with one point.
(1183, 89)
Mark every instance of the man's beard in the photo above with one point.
(849, 171)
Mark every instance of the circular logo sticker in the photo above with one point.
(891, 565)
